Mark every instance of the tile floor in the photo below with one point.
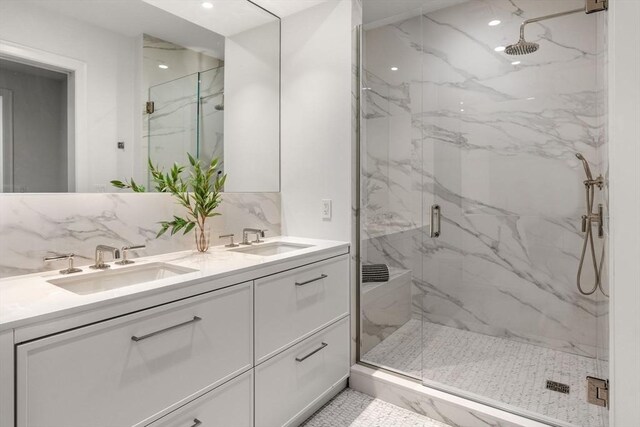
(507, 371)
(354, 409)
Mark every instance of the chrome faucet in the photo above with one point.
(245, 235)
(100, 250)
(70, 269)
(124, 250)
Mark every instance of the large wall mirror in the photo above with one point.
(92, 89)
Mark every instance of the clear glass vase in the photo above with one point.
(202, 238)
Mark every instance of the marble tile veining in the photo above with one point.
(34, 225)
(492, 140)
(500, 369)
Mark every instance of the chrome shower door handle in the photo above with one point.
(435, 221)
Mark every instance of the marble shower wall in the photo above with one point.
(492, 139)
(193, 84)
(35, 225)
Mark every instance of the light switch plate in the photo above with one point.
(326, 209)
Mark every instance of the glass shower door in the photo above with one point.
(503, 320)
(173, 125)
(392, 221)
(211, 115)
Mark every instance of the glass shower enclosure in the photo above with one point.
(472, 194)
(187, 117)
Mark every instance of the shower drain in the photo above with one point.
(559, 387)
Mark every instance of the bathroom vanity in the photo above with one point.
(228, 338)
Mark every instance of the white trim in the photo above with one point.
(78, 148)
(624, 160)
(6, 133)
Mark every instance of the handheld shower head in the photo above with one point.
(585, 164)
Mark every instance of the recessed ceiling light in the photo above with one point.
(531, 98)
(515, 63)
(499, 49)
(207, 5)
(462, 110)
(494, 22)
(394, 68)
(164, 67)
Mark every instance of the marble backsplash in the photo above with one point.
(33, 226)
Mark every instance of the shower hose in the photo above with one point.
(589, 244)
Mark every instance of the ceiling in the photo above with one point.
(225, 17)
(379, 12)
(283, 8)
(157, 18)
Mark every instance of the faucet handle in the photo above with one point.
(260, 234)
(124, 250)
(70, 268)
(230, 236)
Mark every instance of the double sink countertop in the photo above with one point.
(32, 298)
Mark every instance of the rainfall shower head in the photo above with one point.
(585, 164)
(523, 47)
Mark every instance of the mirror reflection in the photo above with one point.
(91, 89)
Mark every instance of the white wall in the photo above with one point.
(252, 109)
(316, 152)
(624, 130)
(110, 60)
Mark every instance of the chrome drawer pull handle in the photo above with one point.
(300, 359)
(143, 337)
(322, 276)
(196, 422)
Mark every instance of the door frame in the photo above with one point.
(624, 188)
(6, 139)
(77, 144)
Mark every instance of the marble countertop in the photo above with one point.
(29, 299)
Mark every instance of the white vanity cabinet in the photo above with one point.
(292, 305)
(292, 381)
(230, 405)
(265, 352)
(124, 371)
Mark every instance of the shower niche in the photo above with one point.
(450, 119)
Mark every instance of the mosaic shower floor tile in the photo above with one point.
(508, 371)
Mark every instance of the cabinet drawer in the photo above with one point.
(293, 305)
(291, 381)
(123, 371)
(231, 404)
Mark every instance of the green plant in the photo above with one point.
(198, 193)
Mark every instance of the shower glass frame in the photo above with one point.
(179, 106)
(426, 242)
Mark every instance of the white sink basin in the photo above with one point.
(270, 249)
(101, 281)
